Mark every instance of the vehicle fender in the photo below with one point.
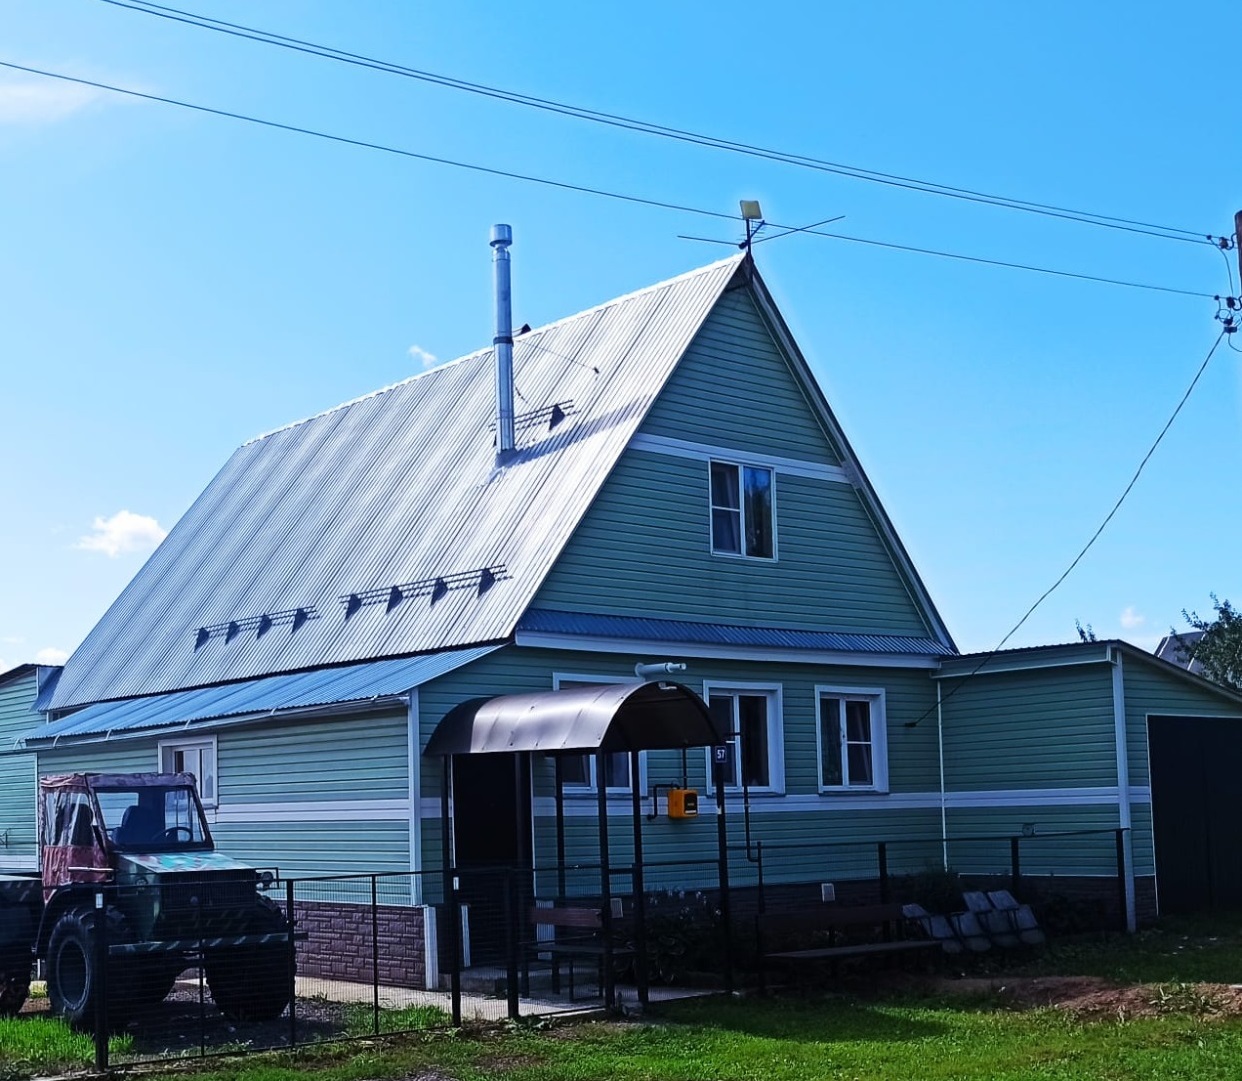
(70, 897)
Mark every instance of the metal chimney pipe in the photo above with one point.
(502, 237)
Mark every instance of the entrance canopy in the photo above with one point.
(606, 717)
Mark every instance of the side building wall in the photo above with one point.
(18, 788)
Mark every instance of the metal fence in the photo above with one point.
(354, 956)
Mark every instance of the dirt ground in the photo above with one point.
(1091, 996)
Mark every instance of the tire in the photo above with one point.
(15, 965)
(252, 983)
(152, 979)
(72, 974)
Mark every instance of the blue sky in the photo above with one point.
(172, 284)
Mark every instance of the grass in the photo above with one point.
(360, 1019)
(828, 1036)
(42, 1045)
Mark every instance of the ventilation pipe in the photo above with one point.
(502, 237)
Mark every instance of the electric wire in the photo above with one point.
(582, 188)
(963, 679)
(661, 130)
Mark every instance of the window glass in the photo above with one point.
(726, 509)
(758, 512)
(830, 772)
(576, 770)
(197, 759)
(847, 741)
(747, 720)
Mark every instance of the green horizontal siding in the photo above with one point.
(1051, 728)
(912, 757)
(983, 845)
(18, 844)
(644, 549)
(359, 757)
(734, 386)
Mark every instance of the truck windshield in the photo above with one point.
(152, 818)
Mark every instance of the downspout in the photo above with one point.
(944, 818)
(414, 788)
(1123, 783)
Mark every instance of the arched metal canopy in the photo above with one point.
(606, 717)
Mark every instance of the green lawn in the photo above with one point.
(896, 1035)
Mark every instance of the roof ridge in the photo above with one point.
(481, 352)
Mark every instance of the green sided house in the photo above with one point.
(673, 490)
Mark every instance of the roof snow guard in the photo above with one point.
(611, 717)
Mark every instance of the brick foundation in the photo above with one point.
(339, 942)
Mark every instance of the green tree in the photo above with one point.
(1219, 651)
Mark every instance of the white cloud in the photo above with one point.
(41, 101)
(12, 640)
(422, 356)
(1132, 618)
(51, 656)
(123, 532)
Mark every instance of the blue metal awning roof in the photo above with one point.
(546, 621)
(352, 684)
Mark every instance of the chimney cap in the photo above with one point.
(502, 236)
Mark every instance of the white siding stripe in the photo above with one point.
(809, 803)
(704, 452)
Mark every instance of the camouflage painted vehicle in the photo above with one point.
(141, 842)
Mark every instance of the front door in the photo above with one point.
(492, 837)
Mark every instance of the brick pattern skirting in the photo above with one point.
(340, 936)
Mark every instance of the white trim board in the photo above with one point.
(705, 452)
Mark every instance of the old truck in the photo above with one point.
(130, 856)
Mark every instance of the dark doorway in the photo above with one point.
(1195, 766)
(492, 834)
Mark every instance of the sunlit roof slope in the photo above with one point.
(384, 527)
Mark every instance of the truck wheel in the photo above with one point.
(152, 980)
(252, 983)
(15, 965)
(72, 975)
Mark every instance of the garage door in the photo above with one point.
(1196, 777)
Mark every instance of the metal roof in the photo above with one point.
(289, 558)
(604, 717)
(354, 684)
(547, 621)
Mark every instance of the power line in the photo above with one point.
(661, 130)
(1086, 547)
(581, 188)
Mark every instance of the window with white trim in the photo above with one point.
(743, 510)
(196, 756)
(578, 771)
(851, 733)
(752, 716)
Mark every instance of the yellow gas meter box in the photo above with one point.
(683, 803)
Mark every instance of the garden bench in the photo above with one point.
(885, 931)
(577, 932)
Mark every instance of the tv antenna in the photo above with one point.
(752, 216)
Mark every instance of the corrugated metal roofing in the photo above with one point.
(399, 488)
(326, 686)
(547, 621)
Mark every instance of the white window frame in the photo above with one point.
(875, 696)
(741, 467)
(206, 746)
(563, 679)
(776, 735)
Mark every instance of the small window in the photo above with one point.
(752, 716)
(743, 521)
(851, 736)
(197, 757)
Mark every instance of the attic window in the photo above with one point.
(743, 514)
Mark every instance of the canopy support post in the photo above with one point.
(640, 889)
(609, 989)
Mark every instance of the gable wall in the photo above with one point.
(18, 846)
(1149, 690)
(644, 546)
